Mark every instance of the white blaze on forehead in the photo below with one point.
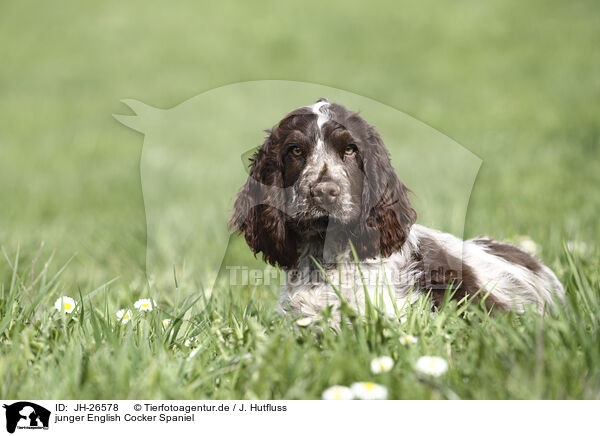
(319, 110)
(322, 117)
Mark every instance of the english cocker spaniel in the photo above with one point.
(323, 202)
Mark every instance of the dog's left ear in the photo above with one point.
(259, 209)
(387, 214)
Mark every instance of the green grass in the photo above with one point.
(242, 349)
(515, 83)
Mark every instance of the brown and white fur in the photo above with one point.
(321, 181)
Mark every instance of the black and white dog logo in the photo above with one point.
(26, 415)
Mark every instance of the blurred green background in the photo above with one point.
(515, 82)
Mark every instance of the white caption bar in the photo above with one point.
(23, 417)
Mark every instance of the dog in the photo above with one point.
(323, 202)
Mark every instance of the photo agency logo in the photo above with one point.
(24, 415)
(196, 156)
(435, 277)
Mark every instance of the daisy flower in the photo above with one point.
(369, 391)
(528, 244)
(304, 322)
(124, 316)
(65, 304)
(191, 342)
(145, 305)
(338, 393)
(381, 364)
(166, 323)
(577, 247)
(408, 339)
(432, 365)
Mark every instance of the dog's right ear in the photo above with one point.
(387, 214)
(259, 209)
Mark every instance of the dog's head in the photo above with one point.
(322, 167)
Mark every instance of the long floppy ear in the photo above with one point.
(259, 209)
(387, 214)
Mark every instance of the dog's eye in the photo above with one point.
(295, 150)
(350, 150)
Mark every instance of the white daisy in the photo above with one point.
(577, 247)
(381, 364)
(303, 322)
(166, 323)
(338, 393)
(408, 339)
(369, 391)
(431, 365)
(145, 305)
(65, 304)
(191, 342)
(528, 244)
(124, 316)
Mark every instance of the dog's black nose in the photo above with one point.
(325, 193)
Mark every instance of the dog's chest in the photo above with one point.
(308, 290)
